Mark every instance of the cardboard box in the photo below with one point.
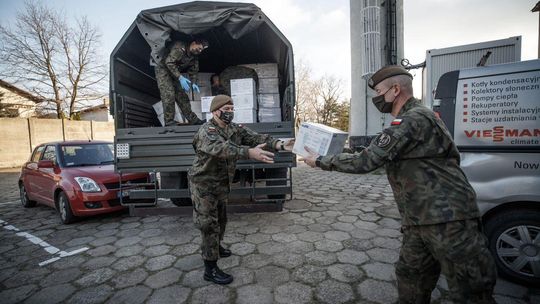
(268, 86)
(269, 114)
(158, 107)
(319, 138)
(268, 100)
(244, 101)
(245, 116)
(205, 103)
(244, 86)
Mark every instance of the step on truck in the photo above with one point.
(239, 34)
(493, 113)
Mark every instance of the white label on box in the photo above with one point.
(242, 86)
(269, 114)
(244, 101)
(158, 107)
(206, 101)
(268, 100)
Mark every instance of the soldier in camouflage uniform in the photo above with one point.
(181, 58)
(440, 218)
(218, 144)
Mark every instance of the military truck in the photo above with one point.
(239, 34)
(493, 112)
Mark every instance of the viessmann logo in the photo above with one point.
(499, 133)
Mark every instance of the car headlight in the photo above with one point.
(87, 184)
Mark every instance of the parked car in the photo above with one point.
(75, 177)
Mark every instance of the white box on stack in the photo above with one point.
(243, 93)
(269, 114)
(206, 101)
(158, 107)
(268, 100)
(319, 138)
(268, 86)
(196, 108)
(245, 115)
(242, 86)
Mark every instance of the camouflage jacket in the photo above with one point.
(218, 149)
(179, 60)
(422, 164)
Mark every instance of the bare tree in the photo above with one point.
(306, 99)
(52, 59)
(328, 91)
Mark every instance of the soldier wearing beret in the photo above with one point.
(440, 219)
(218, 144)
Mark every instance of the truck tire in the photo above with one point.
(276, 173)
(514, 241)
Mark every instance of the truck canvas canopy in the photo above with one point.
(238, 33)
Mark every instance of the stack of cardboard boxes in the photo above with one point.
(268, 91)
(252, 103)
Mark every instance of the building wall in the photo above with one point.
(26, 107)
(19, 136)
(98, 115)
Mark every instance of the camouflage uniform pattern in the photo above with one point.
(168, 71)
(216, 152)
(432, 193)
(236, 72)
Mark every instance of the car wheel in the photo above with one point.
(25, 201)
(514, 241)
(64, 207)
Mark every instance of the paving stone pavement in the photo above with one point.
(335, 242)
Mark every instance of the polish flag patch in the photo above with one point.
(396, 122)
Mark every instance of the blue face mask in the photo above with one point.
(226, 117)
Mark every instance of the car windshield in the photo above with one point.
(87, 155)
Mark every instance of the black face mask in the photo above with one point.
(226, 117)
(381, 104)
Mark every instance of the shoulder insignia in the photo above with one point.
(240, 125)
(211, 129)
(396, 122)
(383, 140)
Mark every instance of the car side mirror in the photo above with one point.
(45, 164)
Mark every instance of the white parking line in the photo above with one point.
(46, 246)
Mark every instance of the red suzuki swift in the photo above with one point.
(75, 177)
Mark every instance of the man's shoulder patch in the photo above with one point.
(211, 130)
(396, 122)
(383, 140)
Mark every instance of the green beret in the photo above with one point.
(387, 72)
(219, 101)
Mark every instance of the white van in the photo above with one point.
(493, 113)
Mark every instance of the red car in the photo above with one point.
(75, 177)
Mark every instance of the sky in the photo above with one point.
(320, 30)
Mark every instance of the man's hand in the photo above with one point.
(287, 145)
(310, 160)
(259, 154)
(184, 82)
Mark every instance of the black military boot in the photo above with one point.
(212, 273)
(224, 252)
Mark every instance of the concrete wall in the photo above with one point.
(19, 137)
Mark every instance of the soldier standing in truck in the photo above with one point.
(181, 57)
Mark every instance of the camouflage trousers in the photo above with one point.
(210, 217)
(457, 249)
(171, 92)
